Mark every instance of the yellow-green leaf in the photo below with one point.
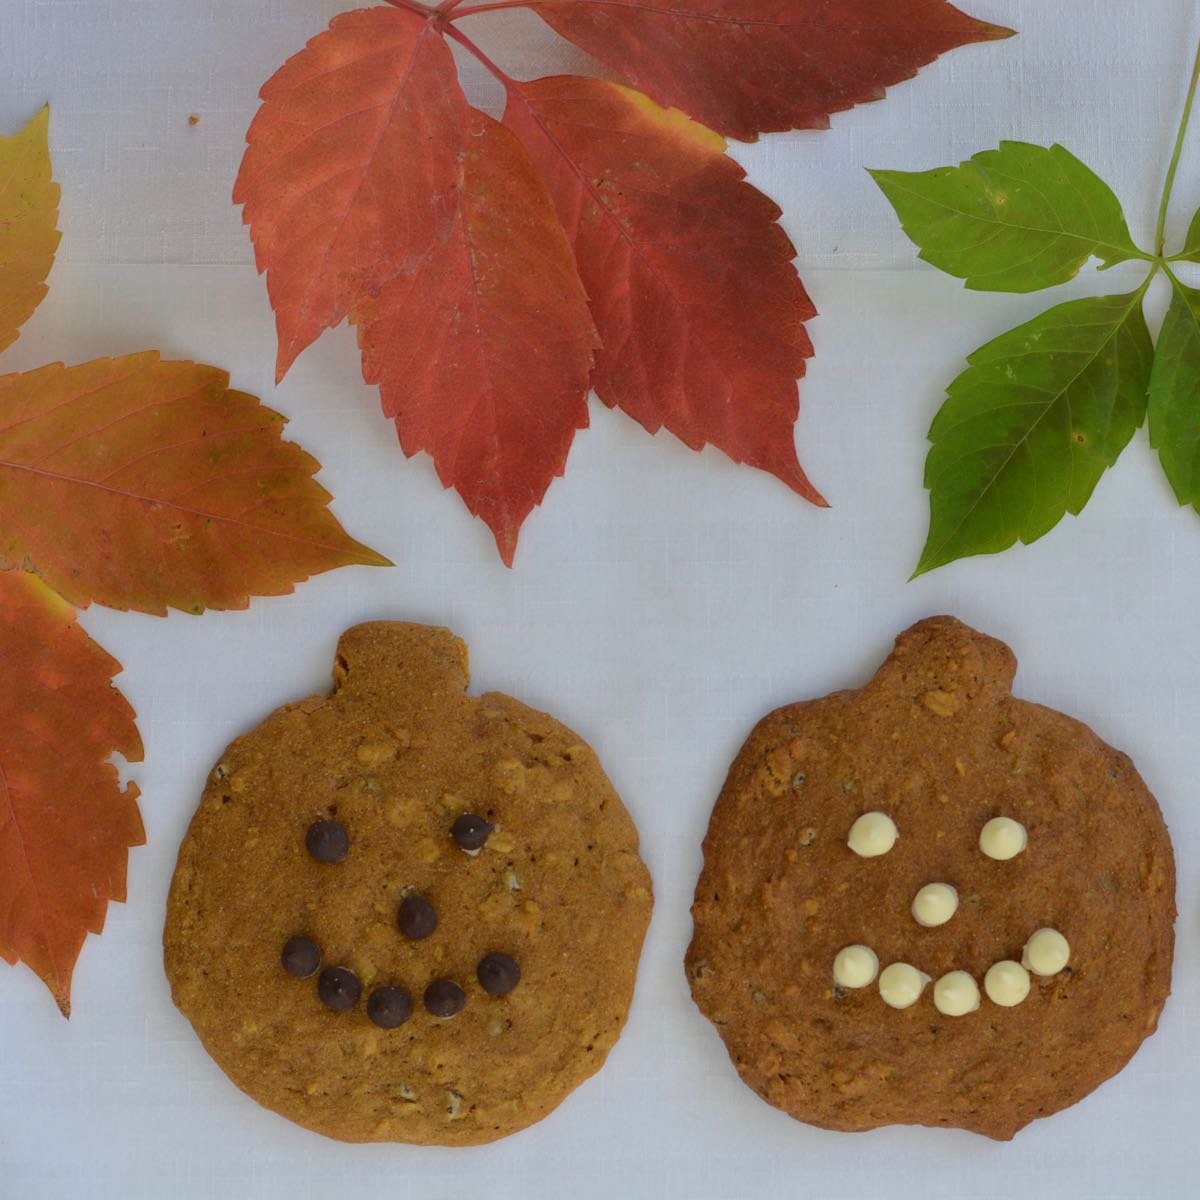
(28, 224)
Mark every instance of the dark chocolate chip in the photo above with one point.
(471, 831)
(327, 841)
(339, 988)
(417, 917)
(444, 998)
(498, 974)
(301, 957)
(389, 1007)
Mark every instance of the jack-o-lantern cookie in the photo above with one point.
(927, 902)
(402, 913)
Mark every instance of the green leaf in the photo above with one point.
(1015, 219)
(1191, 244)
(1175, 394)
(1031, 425)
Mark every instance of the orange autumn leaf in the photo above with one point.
(494, 315)
(352, 167)
(142, 484)
(28, 224)
(66, 823)
(746, 67)
(690, 276)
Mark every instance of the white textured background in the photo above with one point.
(662, 601)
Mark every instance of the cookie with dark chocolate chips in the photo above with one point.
(1027, 974)
(475, 970)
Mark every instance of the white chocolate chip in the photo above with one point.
(934, 904)
(1006, 983)
(956, 994)
(1002, 838)
(873, 834)
(855, 966)
(1046, 953)
(901, 985)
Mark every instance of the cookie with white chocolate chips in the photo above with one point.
(927, 902)
(405, 914)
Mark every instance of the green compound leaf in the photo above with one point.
(1191, 244)
(1175, 394)
(1015, 219)
(1031, 425)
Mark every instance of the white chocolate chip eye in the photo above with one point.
(1002, 838)
(873, 834)
(956, 994)
(855, 966)
(1046, 952)
(934, 904)
(1006, 983)
(901, 985)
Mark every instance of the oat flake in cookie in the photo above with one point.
(1042, 963)
(403, 1035)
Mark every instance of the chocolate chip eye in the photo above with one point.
(327, 841)
(339, 988)
(389, 1007)
(498, 974)
(417, 917)
(444, 998)
(470, 831)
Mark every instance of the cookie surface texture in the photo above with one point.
(393, 757)
(938, 744)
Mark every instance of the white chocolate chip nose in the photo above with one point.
(934, 904)
(1006, 983)
(855, 966)
(1002, 838)
(1046, 952)
(873, 834)
(956, 994)
(901, 985)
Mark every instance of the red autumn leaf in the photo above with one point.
(691, 280)
(138, 484)
(352, 167)
(66, 824)
(495, 318)
(746, 67)
(367, 196)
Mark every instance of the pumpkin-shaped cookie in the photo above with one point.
(402, 913)
(927, 902)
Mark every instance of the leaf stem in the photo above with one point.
(411, 6)
(474, 9)
(1169, 182)
(464, 41)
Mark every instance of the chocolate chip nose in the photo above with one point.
(417, 918)
(327, 841)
